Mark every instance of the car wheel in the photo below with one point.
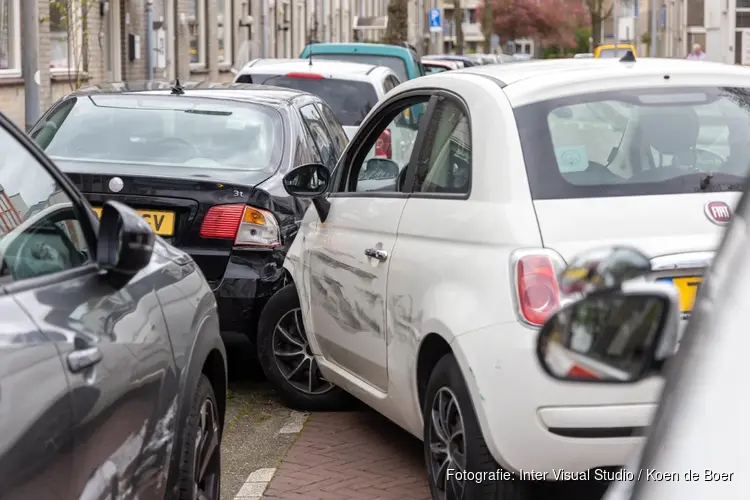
(287, 360)
(200, 470)
(453, 442)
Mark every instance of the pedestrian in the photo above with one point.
(697, 54)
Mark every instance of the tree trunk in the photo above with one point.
(487, 26)
(397, 31)
(459, 21)
(596, 32)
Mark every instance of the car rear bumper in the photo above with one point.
(533, 422)
(250, 279)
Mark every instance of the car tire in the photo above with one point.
(280, 335)
(447, 383)
(201, 437)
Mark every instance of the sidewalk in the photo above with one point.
(351, 456)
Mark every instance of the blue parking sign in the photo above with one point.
(436, 20)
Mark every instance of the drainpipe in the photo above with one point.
(654, 31)
(30, 61)
(150, 39)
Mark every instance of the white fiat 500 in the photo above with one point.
(422, 297)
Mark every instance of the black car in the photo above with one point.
(113, 373)
(203, 164)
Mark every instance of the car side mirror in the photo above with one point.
(603, 269)
(126, 241)
(615, 336)
(379, 169)
(310, 181)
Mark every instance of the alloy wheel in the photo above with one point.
(293, 355)
(207, 468)
(447, 442)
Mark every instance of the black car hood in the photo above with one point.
(248, 178)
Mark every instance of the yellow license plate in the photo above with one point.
(161, 222)
(687, 286)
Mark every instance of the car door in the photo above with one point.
(110, 336)
(347, 255)
(35, 408)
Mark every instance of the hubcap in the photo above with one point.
(207, 460)
(446, 439)
(293, 355)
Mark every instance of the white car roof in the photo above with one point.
(549, 79)
(329, 69)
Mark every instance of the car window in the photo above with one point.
(40, 232)
(161, 130)
(444, 165)
(383, 167)
(637, 142)
(394, 63)
(349, 100)
(323, 142)
(388, 85)
(340, 140)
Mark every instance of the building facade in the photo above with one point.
(85, 42)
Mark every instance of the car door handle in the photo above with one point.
(374, 253)
(81, 359)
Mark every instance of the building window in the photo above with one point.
(10, 37)
(224, 30)
(67, 25)
(197, 33)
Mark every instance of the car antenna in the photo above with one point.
(628, 57)
(309, 57)
(177, 89)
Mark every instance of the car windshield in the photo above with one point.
(394, 63)
(637, 142)
(349, 100)
(164, 130)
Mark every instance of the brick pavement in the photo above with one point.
(351, 456)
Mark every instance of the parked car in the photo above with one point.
(202, 163)
(465, 60)
(438, 66)
(403, 61)
(423, 298)
(350, 89)
(609, 50)
(583, 55)
(688, 452)
(112, 369)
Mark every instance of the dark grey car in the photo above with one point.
(112, 371)
(629, 330)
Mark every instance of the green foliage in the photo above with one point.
(582, 40)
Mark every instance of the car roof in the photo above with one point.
(552, 78)
(262, 94)
(327, 68)
(439, 62)
(361, 48)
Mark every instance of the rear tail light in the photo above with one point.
(578, 372)
(535, 283)
(308, 76)
(247, 226)
(383, 147)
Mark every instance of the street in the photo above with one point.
(282, 454)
